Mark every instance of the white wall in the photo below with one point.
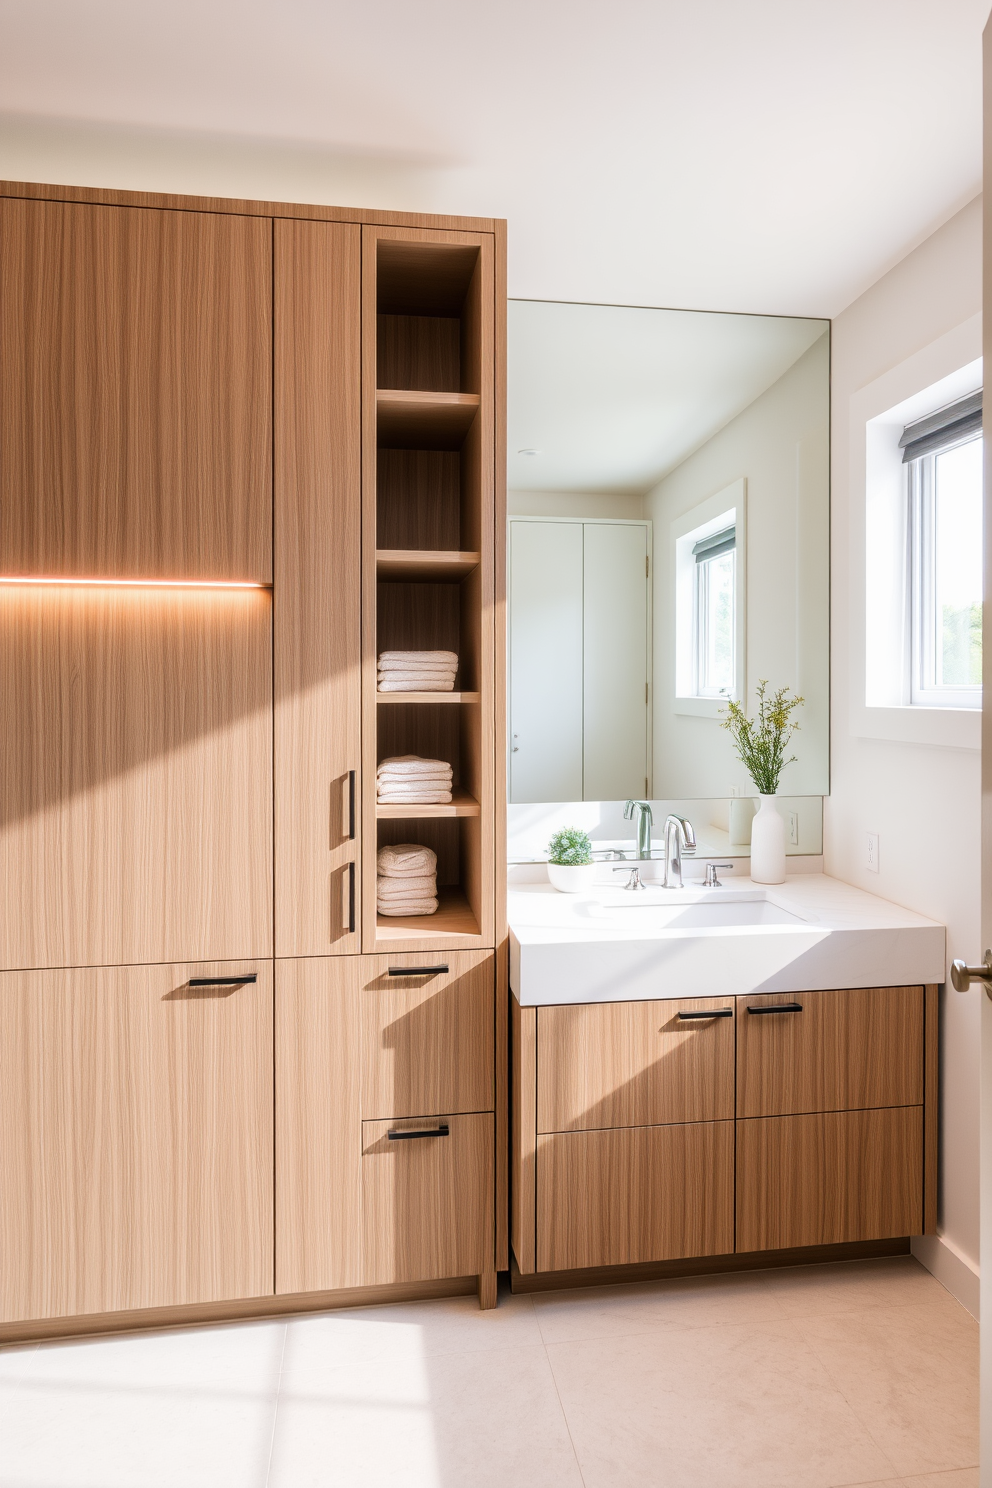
(922, 799)
(629, 507)
(779, 445)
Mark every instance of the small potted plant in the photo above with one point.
(761, 744)
(570, 865)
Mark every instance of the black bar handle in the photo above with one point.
(351, 807)
(351, 897)
(716, 1013)
(778, 1007)
(417, 971)
(232, 981)
(407, 1136)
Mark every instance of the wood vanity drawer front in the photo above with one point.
(635, 1064)
(427, 1200)
(649, 1193)
(427, 1035)
(830, 1177)
(844, 1050)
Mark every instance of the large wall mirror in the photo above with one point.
(668, 476)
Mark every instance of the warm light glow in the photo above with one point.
(74, 581)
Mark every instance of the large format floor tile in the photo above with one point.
(690, 1302)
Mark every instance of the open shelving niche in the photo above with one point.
(428, 536)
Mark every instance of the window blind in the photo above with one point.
(717, 543)
(945, 427)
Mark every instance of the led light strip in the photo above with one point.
(72, 581)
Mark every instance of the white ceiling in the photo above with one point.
(611, 399)
(763, 155)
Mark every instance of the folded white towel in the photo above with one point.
(424, 886)
(414, 782)
(411, 682)
(417, 666)
(421, 907)
(405, 859)
(413, 798)
(414, 660)
(412, 764)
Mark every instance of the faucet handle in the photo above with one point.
(634, 881)
(711, 881)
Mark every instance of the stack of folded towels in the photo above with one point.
(417, 671)
(406, 882)
(415, 781)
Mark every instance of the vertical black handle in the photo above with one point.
(351, 898)
(351, 807)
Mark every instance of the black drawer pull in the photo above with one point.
(407, 1136)
(235, 981)
(351, 807)
(716, 1013)
(417, 971)
(778, 1007)
(351, 897)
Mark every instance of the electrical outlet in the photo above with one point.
(871, 862)
(794, 828)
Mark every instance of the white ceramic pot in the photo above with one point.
(768, 843)
(572, 880)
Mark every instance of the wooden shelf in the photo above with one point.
(452, 917)
(423, 420)
(401, 565)
(427, 697)
(461, 804)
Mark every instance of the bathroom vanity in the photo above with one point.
(732, 1073)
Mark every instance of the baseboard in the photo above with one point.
(953, 1270)
(756, 1260)
(201, 1314)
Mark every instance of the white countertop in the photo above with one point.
(602, 946)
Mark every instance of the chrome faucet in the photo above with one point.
(643, 828)
(634, 881)
(678, 835)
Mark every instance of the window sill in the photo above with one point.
(698, 707)
(951, 728)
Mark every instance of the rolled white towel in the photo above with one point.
(417, 660)
(424, 885)
(405, 859)
(409, 682)
(412, 764)
(420, 907)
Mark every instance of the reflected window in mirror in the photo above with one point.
(714, 613)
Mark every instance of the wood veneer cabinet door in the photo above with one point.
(830, 1051)
(427, 1199)
(830, 1177)
(318, 515)
(135, 775)
(427, 1036)
(647, 1193)
(135, 1139)
(635, 1063)
(135, 397)
(318, 1123)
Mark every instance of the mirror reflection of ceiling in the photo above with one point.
(614, 397)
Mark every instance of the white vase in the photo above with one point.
(571, 880)
(768, 843)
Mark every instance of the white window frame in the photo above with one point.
(701, 584)
(923, 690)
(726, 508)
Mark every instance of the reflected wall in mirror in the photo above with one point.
(668, 492)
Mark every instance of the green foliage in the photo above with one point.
(761, 742)
(570, 848)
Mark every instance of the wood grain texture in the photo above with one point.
(647, 1193)
(421, 353)
(136, 1141)
(318, 1123)
(135, 405)
(453, 926)
(427, 1040)
(633, 1064)
(427, 1203)
(931, 1107)
(846, 1050)
(830, 1177)
(317, 603)
(135, 775)
(418, 500)
(523, 1135)
(410, 420)
(403, 565)
(245, 207)
(500, 724)
(502, 1062)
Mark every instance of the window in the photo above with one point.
(943, 455)
(714, 614)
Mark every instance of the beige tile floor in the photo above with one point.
(862, 1374)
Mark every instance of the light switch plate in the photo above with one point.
(871, 862)
(794, 828)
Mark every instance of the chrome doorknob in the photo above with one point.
(962, 975)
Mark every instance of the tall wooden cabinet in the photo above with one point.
(246, 447)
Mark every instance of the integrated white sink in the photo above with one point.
(619, 945)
